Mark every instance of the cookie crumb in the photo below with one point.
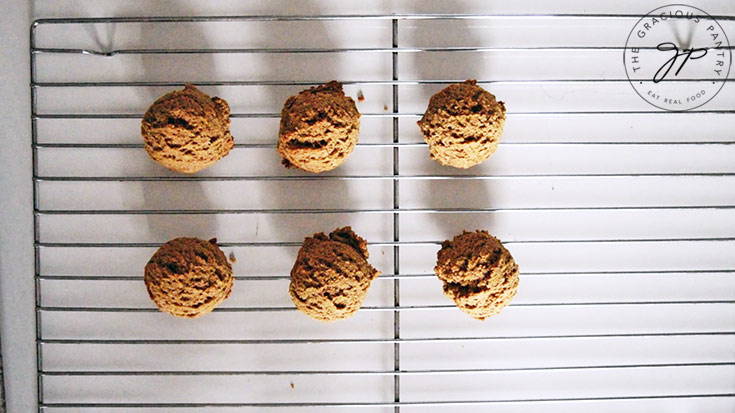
(360, 96)
(385, 108)
(292, 386)
(232, 257)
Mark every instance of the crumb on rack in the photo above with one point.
(360, 96)
(385, 107)
(232, 257)
(292, 386)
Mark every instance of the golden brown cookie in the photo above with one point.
(331, 276)
(479, 274)
(463, 125)
(188, 277)
(319, 128)
(187, 131)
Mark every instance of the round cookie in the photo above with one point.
(462, 125)
(188, 277)
(478, 273)
(186, 130)
(319, 128)
(331, 276)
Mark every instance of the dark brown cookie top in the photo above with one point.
(186, 130)
(188, 277)
(319, 128)
(478, 273)
(331, 275)
(462, 125)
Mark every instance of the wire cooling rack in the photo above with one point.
(620, 216)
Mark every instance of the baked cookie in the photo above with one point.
(188, 277)
(462, 125)
(478, 273)
(331, 276)
(187, 131)
(319, 128)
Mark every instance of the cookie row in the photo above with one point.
(189, 277)
(187, 131)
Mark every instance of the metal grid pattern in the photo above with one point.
(66, 198)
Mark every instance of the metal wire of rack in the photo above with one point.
(90, 350)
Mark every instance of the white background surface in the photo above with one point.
(16, 243)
